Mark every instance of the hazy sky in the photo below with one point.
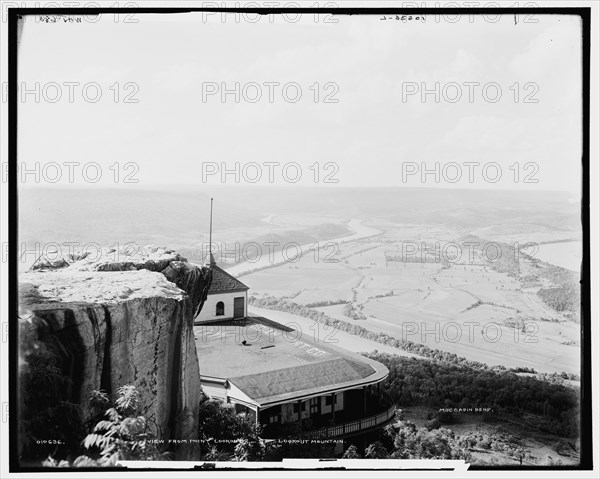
(374, 131)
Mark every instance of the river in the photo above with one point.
(275, 258)
(566, 254)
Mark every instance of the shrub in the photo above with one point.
(351, 453)
(123, 434)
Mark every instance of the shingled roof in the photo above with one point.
(278, 364)
(223, 282)
(286, 383)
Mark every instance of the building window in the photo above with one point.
(314, 405)
(296, 408)
(220, 308)
(275, 415)
(327, 400)
(273, 419)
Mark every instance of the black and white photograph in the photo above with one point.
(303, 239)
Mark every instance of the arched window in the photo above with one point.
(220, 308)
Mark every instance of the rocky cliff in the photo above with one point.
(119, 317)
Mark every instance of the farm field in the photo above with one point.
(317, 332)
(540, 348)
(325, 252)
(305, 276)
(526, 232)
(464, 308)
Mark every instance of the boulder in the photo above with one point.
(119, 318)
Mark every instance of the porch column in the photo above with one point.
(364, 400)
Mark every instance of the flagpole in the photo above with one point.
(210, 234)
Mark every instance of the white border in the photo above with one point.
(595, 259)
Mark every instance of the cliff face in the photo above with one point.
(120, 318)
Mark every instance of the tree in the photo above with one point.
(47, 407)
(219, 422)
(433, 423)
(120, 432)
(124, 434)
(249, 449)
(411, 442)
(376, 451)
(351, 453)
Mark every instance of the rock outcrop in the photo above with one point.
(119, 317)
